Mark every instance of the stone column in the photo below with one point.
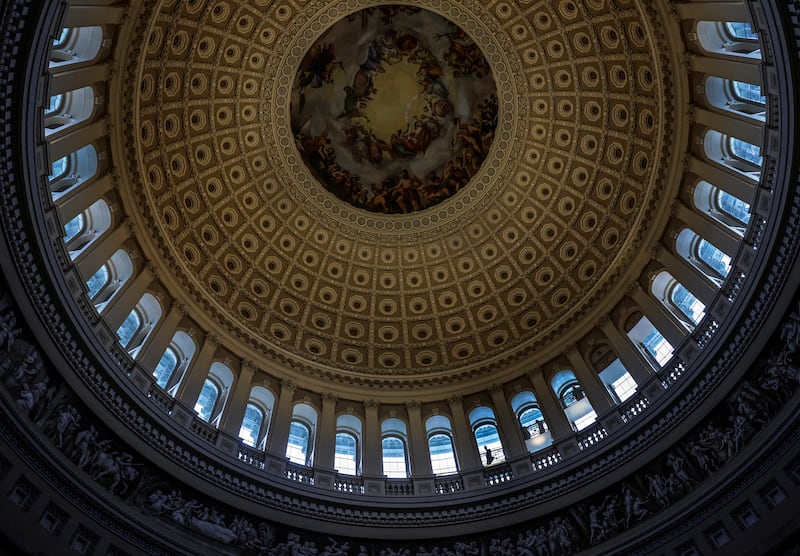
(466, 449)
(192, 382)
(282, 420)
(599, 396)
(121, 305)
(557, 422)
(659, 316)
(152, 352)
(418, 440)
(509, 428)
(632, 359)
(99, 252)
(326, 436)
(233, 413)
(372, 466)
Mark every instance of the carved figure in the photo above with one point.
(66, 421)
(658, 489)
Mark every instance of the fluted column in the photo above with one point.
(509, 428)
(191, 384)
(159, 340)
(596, 390)
(62, 143)
(233, 414)
(74, 202)
(373, 464)
(465, 446)
(97, 253)
(659, 316)
(282, 421)
(725, 240)
(739, 185)
(325, 449)
(418, 439)
(637, 366)
(70, 78)
(120, 306)
(689, 276)
(550, 406)
(745, 69)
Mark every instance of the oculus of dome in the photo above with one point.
(400, 118)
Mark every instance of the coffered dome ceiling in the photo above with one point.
(245, 117)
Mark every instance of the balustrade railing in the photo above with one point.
(545, 458)
(348, 484)
(497, 474)
(299, 473)
(204, 430)
(591, 436)
(252, 456)
(160, 398)
(449, 484)
(633, 407)
(399, 487)
(670, 374)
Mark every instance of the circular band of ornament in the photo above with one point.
(299, 181)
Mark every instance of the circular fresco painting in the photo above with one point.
(394, 109)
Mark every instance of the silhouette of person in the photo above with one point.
(489, 456)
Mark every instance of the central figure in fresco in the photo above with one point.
(394, 109)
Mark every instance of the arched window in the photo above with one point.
(58, 169)
(74, 227)
(127, 330)
(487, 437)
(395, 462)
(347, 455)
(96, 282)
(139, 323)
(720, 205)
(345, 460)
(677, 299)
(109, 279)
(394, 436)
(255, 423)
(166, 366)
(299, 448)
(702, 254)
(85, 228)
(735, 40)
(69, 172)
(207, 399)
(251, 424)
(576, 405)
(650, 341)
(69, 109)
(618, 381)
(213, 396)
(534, 428)
(76, 44)
(736, 96)
(745, 151)
(440, 445)
(731, 152)
(740, 30)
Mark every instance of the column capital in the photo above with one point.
(603, 320)
(329, 397)
(455, 399)
(371, 404)
(213, 339)
(288, 385)
(413, 404)
(570, 349)
(495, 389)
